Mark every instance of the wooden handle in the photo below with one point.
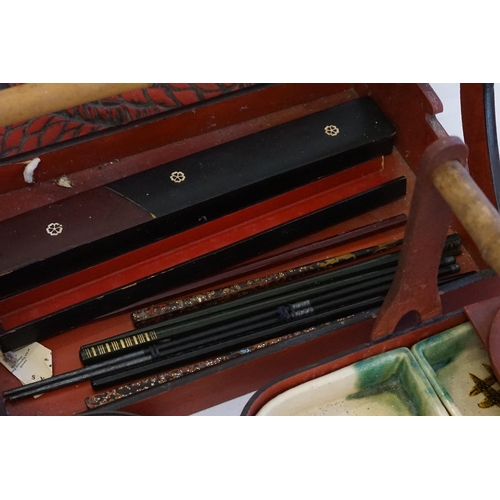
(31, 100)
(472, 208)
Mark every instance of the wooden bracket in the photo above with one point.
(414, 289)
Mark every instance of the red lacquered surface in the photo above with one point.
(411, 107)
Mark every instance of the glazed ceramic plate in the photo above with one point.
(391, 383)
(458, 367)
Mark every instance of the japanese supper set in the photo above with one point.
(168, 247)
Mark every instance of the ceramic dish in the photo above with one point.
(457, 365)
(391, 383)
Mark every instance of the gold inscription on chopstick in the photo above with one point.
(118, 345)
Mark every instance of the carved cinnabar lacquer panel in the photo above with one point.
(104, 114)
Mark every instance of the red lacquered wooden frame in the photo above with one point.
(410, 106)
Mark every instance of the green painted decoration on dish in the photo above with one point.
(458, 367)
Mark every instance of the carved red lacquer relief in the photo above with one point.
(106, 113)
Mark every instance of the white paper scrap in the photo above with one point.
(30, 363)
(29, 170)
